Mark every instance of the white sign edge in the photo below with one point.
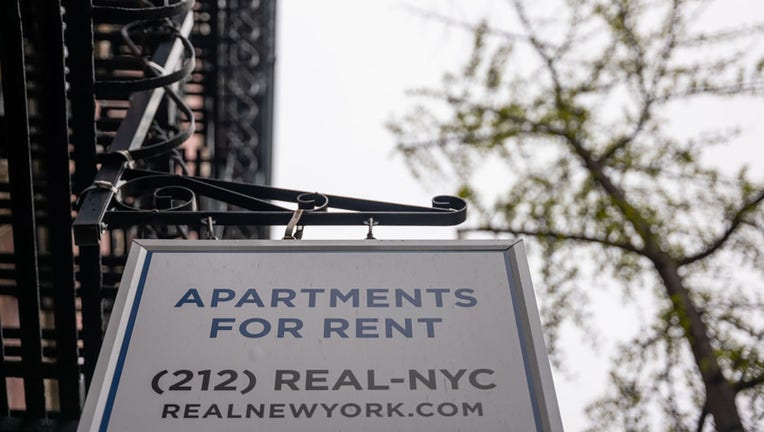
(550, 419)
(108, 355)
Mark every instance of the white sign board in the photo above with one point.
(323, 336)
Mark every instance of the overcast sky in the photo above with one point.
(343, 68)
(342, 71)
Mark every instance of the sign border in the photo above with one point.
(97, 411)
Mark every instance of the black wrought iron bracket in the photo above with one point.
(121, 197)
(155, 198)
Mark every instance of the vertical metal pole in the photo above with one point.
(222, 61)
(4, 411)
(79, 42)
(266, 103)
(22, 204)
(91, 284)
(55, 142)
(212, 85)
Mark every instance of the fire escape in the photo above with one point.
(125, 119)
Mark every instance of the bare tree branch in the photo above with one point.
(618, 198)
(539, 46)
(570, 35)
(464, 25)
(644, 115)
(703, 40)
(750, 383)
(648, 94)
(625, 245)
(455, 139)
(735, 222)
(702, 418)
(597, 170)
(731, 90)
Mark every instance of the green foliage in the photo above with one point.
(595, 169)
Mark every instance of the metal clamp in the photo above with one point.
(291, 233)
(210, 223)
(97, 184)
(126, 154)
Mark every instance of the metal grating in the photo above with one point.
(63, 112)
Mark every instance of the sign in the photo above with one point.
(323, 336)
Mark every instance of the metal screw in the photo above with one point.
(370, 222)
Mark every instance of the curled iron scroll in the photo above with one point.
(122, 14)
(134, 194)
(449, 202)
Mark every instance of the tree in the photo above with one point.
(584, 116)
